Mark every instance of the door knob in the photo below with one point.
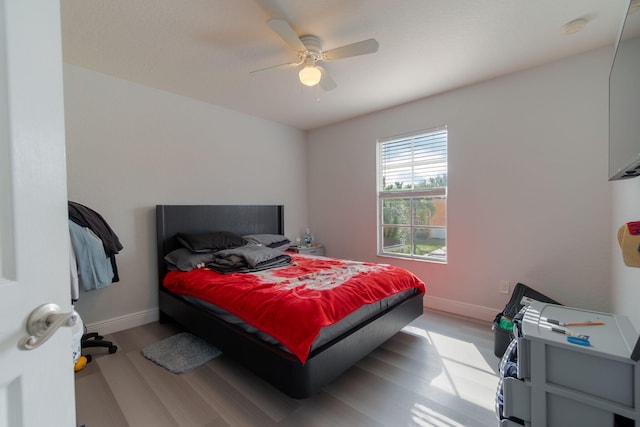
(43, 322)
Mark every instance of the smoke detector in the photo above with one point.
(574, 26)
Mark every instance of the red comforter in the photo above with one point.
(293, 303)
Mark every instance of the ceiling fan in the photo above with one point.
(310, 53)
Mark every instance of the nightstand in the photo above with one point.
(308, 250)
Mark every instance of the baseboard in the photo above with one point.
(124, 322)
(460, 308)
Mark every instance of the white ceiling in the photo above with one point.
(205, 49)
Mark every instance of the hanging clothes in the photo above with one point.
(86, 217)
(94, 267)
(73, 270)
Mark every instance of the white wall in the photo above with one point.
(528, 199)
(625, 280)
(130, 147)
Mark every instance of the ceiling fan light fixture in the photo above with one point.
(310, 76)
(308, 47)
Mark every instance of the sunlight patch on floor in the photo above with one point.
(472, 385)
(423, 416)
(465, 374)
(463, 352)
(418, 332)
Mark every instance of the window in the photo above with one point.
(412, 196)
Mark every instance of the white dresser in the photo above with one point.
(561, 384)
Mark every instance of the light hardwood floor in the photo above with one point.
(439, 371)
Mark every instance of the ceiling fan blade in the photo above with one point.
(284, 30)
(326, 82)
(287, 65)
(363, 47)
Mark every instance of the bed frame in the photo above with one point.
(278, 367)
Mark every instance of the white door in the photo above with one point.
(36, 386)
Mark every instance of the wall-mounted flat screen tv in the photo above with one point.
(624, 99)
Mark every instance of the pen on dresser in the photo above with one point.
(556, 322)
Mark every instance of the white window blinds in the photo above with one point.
(412, 195)
(413, 163)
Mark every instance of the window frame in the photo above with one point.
(411, 194)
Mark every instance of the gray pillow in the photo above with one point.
(211, 241)
(184, 260)
(274, 241)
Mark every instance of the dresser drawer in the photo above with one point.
(312, 250)
(517, 399)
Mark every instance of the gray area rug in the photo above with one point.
(181, 353)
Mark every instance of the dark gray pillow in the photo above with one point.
(211, 241)
(274, 241)
(184, 260)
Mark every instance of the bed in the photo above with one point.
(296, 377)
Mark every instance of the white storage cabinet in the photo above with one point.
(561, 384)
